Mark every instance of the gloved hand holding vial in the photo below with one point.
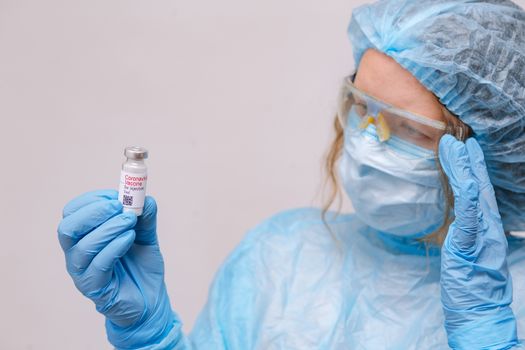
(112, 253)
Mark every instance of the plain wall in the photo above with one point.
(234, 100)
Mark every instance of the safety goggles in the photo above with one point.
(358, 110)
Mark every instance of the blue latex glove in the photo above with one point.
(114, 259)
(476, 287)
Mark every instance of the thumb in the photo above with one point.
(146, 227)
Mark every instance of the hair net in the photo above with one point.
(471, 55)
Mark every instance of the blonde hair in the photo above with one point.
(454, 126)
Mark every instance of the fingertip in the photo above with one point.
(103, 263)
(457, 153)
(446, 141)
(130, 216)
(116, 205)
(118, 247)
(452, 153)
(458, 167)
(447, 138)
(446, 145)
(150, 206)
(64, 239)
(147, 223)
(474, 150)
(471, 141)
(128, 236)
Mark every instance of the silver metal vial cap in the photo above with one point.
(135, 152)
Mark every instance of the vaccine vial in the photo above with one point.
(133, 179)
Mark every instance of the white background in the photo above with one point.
(234, 99)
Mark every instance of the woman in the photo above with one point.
(426, 260)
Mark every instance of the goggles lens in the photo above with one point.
(390, 122)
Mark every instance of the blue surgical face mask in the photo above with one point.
(394, 187)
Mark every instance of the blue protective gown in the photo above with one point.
(290, 285)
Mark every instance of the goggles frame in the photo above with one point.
(378, 119)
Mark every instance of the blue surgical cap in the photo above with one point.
(471, 55)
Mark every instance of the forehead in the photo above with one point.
(381, 76)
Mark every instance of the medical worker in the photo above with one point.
(430, 148)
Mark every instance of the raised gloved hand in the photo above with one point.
(114, 259)
(476, 287)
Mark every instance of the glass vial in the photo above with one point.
(133, 179)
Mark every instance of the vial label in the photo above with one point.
(132, 190)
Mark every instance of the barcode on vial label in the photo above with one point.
(127, 200)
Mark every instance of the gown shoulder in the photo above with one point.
(260, 274)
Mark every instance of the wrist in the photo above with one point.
(485, 329)
(149, 331)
